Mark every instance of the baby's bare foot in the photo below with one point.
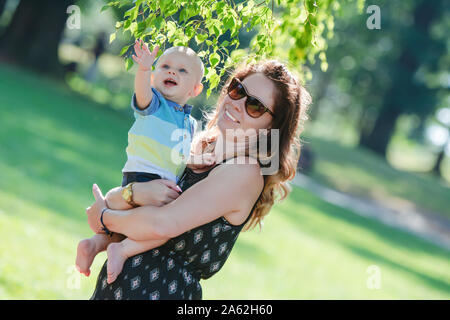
(86, 253)
(116, 259)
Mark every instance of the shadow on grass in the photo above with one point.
(393, 238)
(368, 169)
(430, 281)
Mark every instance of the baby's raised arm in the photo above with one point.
(142, 85)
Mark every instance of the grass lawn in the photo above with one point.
(363, 173)
(55, 144)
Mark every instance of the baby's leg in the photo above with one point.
(121, 251)
(89, 248)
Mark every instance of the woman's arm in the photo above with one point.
(227, 189)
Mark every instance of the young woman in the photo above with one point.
(199, 228)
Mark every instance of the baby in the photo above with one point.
(162, 127)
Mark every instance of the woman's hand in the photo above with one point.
(156, 192)
(94, 211)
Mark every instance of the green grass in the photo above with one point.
(54, 144)
(361, 172)
(309, 249)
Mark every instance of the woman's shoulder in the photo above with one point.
(243, 175)
(245, 170)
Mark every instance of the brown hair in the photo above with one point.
(290, 109)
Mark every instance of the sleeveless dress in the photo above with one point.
(173, 271)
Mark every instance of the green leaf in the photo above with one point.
(171, 27)
(129, 63)
(214, 59)
(129, 12)
(126, 24)
(183, 16)
(112, 37)
(159, 22)
(217, 31)
(104, 8)
(201, 54)
(141, 27)
(229, 22)
(189, 32)
(133, 27)
(218, 6)
(160, 38)
(311, 5)
(201, 37)
(245, 20)
(214, 81)
(250, 4)
(171, 9)
(324, 66)
(124, 50)
(121, 3)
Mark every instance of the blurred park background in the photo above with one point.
(369, 213)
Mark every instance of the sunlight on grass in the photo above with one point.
(310, 250)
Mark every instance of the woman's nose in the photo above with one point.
(239, 105)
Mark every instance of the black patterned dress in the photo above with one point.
(174, 270)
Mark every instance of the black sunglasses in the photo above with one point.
(254, 107)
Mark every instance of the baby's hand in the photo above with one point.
(201, 161)
(144, 58)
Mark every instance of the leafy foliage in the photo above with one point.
(293, 30)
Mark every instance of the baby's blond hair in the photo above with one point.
(189, 52)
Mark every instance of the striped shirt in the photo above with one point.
(160, 139)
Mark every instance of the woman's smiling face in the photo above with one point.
(232, 114)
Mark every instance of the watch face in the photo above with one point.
(126, 193)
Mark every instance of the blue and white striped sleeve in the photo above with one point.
(151, 108)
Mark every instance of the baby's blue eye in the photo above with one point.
(183, 70)
(165, 66)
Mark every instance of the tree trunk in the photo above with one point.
(324, 83)
(403, 83)
(2, 6)
(378, 139)
(437, 166)
(32, 38)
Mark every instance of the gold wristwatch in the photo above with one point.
(127, 194)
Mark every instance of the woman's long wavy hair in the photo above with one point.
(291, 105)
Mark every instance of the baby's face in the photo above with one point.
(176, 75)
